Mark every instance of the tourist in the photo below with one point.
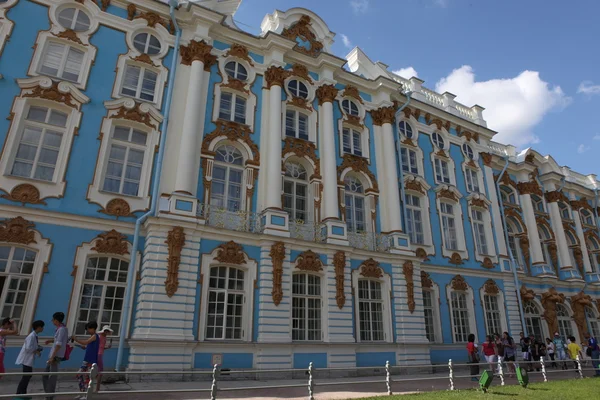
(30, 349)
(490, 352)
(499, 350)
(574, 351)
(509, 352)
(526, 353)
(91, 355)
(57, 353)
(101, 347)
(473, 357)
(550, 350)
(537, 350)
(594, 351)
(559, 350)
(6, 329)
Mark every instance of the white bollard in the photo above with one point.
(451, 376)
(543, 369)
(388, 382)
(500, 371)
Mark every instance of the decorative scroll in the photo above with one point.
(422, 254)
(456, 259)
(277, 256)
(198, 51)
(383, 115)
(53, 94)
(357, 164)
(426, 281)
(490, 287)
(117, 208)
(487, 263)
(352, 91)
(104, 4)
(339, 263)
(151, 18)
(459, 283)
(478, 203)
(275, 76)
(309, 261)
(447, 194)
(301, 71)
(526, 294)
(581, 203)
(17, 230)
(300, 103)
(239, 51)
(236, 84)
(144, 58)
(487, 158)
(25, 194)
(308, 40)
(552, 197)
(408, 270)
(234, 132)
(530, 158)
(414, 185)
(302, 148)
(549, 300)
(578, 303)
(71, 35)
(134, 114)
(175, 242)
(326, 94)
(230, 253)
(371, 269)
(111, 242)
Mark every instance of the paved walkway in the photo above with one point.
(325, 389)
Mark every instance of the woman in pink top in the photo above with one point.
(6, 329)
(101, 346)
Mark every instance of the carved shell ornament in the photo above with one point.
(17, 230)
(490, 287)
(459, 283)
(371, 269)
(309, 261)
(25, 194)
(230, 253)
(117, 208)
(111, 242)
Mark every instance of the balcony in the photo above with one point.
(370, 241)
(308, 231)
(241, 221)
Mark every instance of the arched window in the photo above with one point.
(414, 220)
(236, 70)
(306, 307)
(352, 141)
(16, 275)
(295, 191)
(594, 253)
(449, 226)
(232, 107)
(103, 293)
(537, 203)
(370, 310)
(565, 213)
(565, 329)
(508, 195)
(226, 299)
(146, 43)
(587, 218)
(405, 129)
(297, 89)
(593, 321)
(572, 243)
(514, 243)
(350, 107)
(355, 205)
(460, 316)
(533, 319)
(296, 124)
(438, 140)
(545, 238)
(74, 19)
(226, 188)
(468, 151)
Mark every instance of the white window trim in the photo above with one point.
(415, 131)
(479, 172)
(250, 269)
(311, 112)
(324, 305)
(56, 187)
(344, 122)
(95, 194)
(449, 161)
(429, 245)
(369, 196)
(386, 288)
(437, 325)
(487, 224)
(249, 96)
(501, 308)
(83, 252)
(43, 248)
(312, 188)
(6, 26)
(543, 323)
(470, 307)
(458, 217)
(570, 317)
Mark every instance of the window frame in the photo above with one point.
(565, 321)
(408, 167)
(298, 181)
(321, 285)
(501, 309)
(233, 105)
(411, 221)
(479, 232)
(138, 89)
(438, 171)
(506, 193)
(352, 133)
(296, 118)
(437, 326)
(366, 221)
(445, 215)
(564, 208)
(472, 328)
(472, 180)
(386, 288)
(229, 166)
(462, 249)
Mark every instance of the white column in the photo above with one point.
(584, 251)
(329, 204)
(391, 176)
(188, 149)
(535, 246)
(561, 240)
(381, 167)
(273, 173)
(496, 217)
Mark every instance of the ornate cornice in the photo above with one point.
(339, 263)
(24, 193)
(581, 203)
(408, 271)
(175, 242)
(134, 114)
(277, 256)
(111, 242)
(198, 51)
(118, 208)
(52, 93)
(506, 179)
(426, 281)
(230, 253)
(383, 115)
(352, 91)
(236, 84)
(469, 135)
(531, 187)
(447, 194)
(326, 94)
(309, 261)
(275, 76)
(151, 18)
(357, 164)
(556, 195)
(232, 131)
(71, 35)
(479, 203)
(371, 269)
(490, 287)
(302, 148)
(414, 185)
(17, 230)
(459, 283)
(302, 30)
(239, 51)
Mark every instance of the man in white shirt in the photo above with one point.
(26, 357)
(57, 353)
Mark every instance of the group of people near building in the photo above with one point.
(498, 350)
(62, 346)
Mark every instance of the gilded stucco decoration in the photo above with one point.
(301, 71)
(357, 164)
(526, 294)
(513, 213)
(352, 91)
(17, 230)
(487, 158)
(553, 250)
(198, 51)
(578, 255)
(301, 33)
(422, 254)
(339, 263)
(490, 287)
(52, 93)
(383, 115)
(581, 203)
(104, 4)
(117, 208)
(530, 158)
(326, 94)
(151, 18)
(549, 300)
(25, 194)
(408, 271)
(277, 254)
(71, 35)
(236, 84)
(275, 76)
(531, 187)
(302, 148)
(487, 263)
(506, 180)
(556, 195)
(459, 283)
(230, 253)
(426, 281)
(234, 132)
(456, 259)
(175, 242)
(474, 136)
(479, 203)
(439, 124)
(309, 261)
(524, 245)
(144, 58)
(111, 242)
(414, 185)
(371, 269)
(447, 194)
(239, 51)
(578, 303)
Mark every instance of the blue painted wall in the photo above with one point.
(302, 360)
(375, 359)
(230, 360)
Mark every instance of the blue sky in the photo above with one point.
(533, 64)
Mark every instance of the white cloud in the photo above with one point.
(596, 136)
(346, 41)
(513, 105)
(359, 6)
(407, 72)
(588, 87)
(582, 148)
(441, 3)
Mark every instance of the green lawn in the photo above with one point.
(580, 389)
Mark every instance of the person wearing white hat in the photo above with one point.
(559, 349)
(104, 332)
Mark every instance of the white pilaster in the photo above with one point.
(329, 208)
(391, 180)
(273, 195)
(497, 219)
(561, 240)
(584, 251)
(381, 167)
(535, 246)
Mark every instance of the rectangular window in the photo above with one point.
(448, 226)
(225, 303)
(409, 160)
(294, 199)
(306, 307)
(370, 310)
(232, 108)
(429, 311)
(472, 180)
(125, 161)
(40, 144)
(492, 314)
(16, 269)
(479, 228)
(226, 188)
(414, 222)
(355, 213)
(460, 316)
(441, 171)
(352, 142)
(62, 61)
(139, 82)
(296, 124)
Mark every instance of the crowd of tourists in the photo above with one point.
(504, 352)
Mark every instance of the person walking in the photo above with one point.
(473, 357)
(26, 357)
(574, 351)
(490, 352)
(594, 352)
(90, 358)
(102, 336)
(559, 350)
(57, 353)
(499, 351)
(7, 328)
(526, 353)
(509, 352)
(550, 351)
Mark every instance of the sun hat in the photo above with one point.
(106, 328)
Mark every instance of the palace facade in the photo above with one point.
(302, 207)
